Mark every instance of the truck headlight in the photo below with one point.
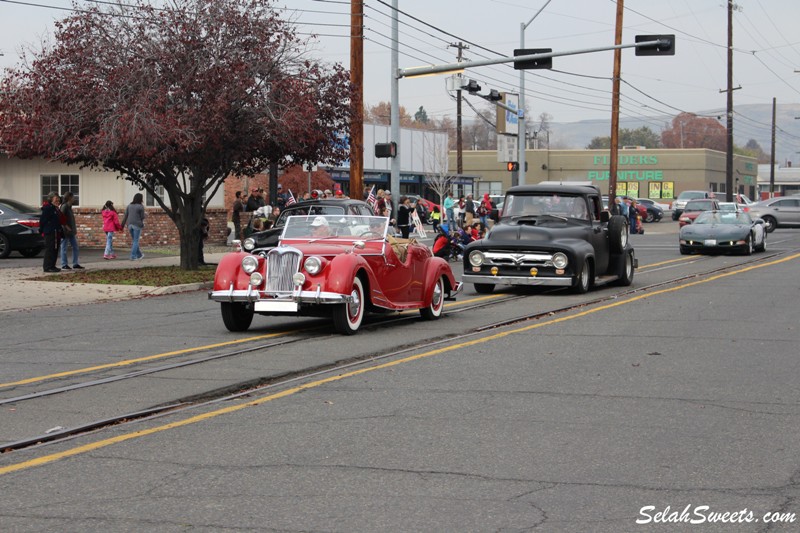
(249, 244)
(560, 260)
(250, 264)
(476, 258)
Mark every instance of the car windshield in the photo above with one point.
(691, 195)
(723, 217)
(335, 227)
(308, 210)
(551, 204)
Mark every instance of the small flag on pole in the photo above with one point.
(290, 200)
(371, 197)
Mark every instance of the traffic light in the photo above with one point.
(546, 62)
(386, 150)
(512, 166)
(666, 47)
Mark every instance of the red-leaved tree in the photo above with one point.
(180, 96)
(690, 131)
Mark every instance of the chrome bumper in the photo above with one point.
(278, 302)
(518, 280)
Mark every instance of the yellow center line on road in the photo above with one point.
(39, 461)
(155, 357)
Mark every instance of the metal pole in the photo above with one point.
(521, 137)
(395, 114)
(520, 177)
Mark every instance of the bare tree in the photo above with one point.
(437, 155)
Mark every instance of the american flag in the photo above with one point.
(371, 197)
(290, 200)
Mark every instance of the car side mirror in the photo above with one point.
(605, 216)
(759, 221)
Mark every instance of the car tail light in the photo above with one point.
(29, 223)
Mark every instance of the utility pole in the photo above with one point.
(459, 149)
(357, 102)
(729, 148)
(771, 158)
(614, 149)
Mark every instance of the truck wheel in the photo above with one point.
(625, 270)
(582, 281)
(484, 288)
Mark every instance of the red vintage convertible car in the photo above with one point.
(332, 265)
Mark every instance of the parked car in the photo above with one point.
(552, 235)
(330, 206)
(655, 211)
(723, 232)
(694, 207)
(650, 201)
(342, 266)
(685, 196)
(19, 229)
(777, 212)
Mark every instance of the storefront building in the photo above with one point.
(644, 173)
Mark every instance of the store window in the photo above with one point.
(61, 183)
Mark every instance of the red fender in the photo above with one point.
(229, 270)
(435, 268)
(338, 275)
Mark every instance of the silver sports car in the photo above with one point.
(723, 232)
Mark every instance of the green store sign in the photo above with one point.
(626, 175)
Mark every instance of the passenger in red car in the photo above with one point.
(320, 228)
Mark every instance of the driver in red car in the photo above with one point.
(320, 228)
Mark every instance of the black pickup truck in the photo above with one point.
(553, 235)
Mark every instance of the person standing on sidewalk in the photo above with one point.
(236, 217)
(70, 231)
(134, 219)
(50, 226)
(111, 224)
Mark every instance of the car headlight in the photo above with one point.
(249, 244)
(250, 264)
(560, 260)
(686, 219)
(313, 265)
(476, 258)
(256, 279)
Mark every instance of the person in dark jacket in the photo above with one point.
(134, 219)
(70, 232)
(50, 226)
(404, 211)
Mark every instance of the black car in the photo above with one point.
(269, 238)
(19, 229)
(552, 235)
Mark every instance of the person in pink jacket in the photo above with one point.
(110, 225)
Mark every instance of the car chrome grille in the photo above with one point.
(282, 264)
(524, 259)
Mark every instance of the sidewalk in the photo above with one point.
(18, 293)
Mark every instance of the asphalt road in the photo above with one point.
(682, 393)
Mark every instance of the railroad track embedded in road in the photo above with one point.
(263, 384)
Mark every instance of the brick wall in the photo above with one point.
(159, 230)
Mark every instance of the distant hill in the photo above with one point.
(751, 121)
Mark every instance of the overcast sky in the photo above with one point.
(765, 37)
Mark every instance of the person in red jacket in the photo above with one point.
(111, 225)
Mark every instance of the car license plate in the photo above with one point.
(710, 242)
(275, 306)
